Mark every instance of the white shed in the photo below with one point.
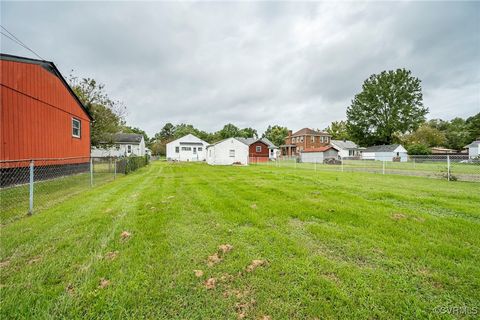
(227, 152)
(473, 149)
(187, 148)
(318, 155)
(390, 152)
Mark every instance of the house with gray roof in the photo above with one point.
(389, 152)
(124, 145)
(256, 143)
(346, 148)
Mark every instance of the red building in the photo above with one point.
(40, 116)
(259, 150)
(304, 139)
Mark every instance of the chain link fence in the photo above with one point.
(27, 186)
(448, 167)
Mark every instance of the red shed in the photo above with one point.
(41, 117)
(258, 149)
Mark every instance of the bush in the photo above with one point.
(133, 163)
(418, 150)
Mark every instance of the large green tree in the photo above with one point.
(425, 135)
(390, 103)
(276, 134)
(229, 131)
(108, 115)
(338, 130)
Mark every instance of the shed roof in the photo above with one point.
(50, 67)
(474, 144)
(127, 137)
(382, 148)
(344, 144)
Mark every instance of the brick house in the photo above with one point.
(304, 139)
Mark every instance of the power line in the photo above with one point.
(18, 41)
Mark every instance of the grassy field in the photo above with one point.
(306, 245)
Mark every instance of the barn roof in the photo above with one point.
(50, 67)
(308, 131)
(382, 148)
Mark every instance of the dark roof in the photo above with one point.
(308, 131)
(320, 149)
(249, 141)
(50, 67)
(382, 148)
(127, 137)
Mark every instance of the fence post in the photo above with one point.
(341, 163)
(448, 167)
(30, 209)
(383, 167)
(114, 168)
(413, 163)
(315, 164)
(91, 172)
(295, 163)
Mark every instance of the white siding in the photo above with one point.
(318, 157)
(220, 153)
(188, 149)
(473, 152)
(120, 150)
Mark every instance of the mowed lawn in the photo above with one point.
(327, 245)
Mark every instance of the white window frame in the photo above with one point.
(301, 139)
(79, 135)
(231, 153)
(129, 148)
(258, 148)
(313, 139)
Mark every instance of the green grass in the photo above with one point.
(336, 245)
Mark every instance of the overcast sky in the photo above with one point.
(254, 63)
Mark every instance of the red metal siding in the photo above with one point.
(36, 115)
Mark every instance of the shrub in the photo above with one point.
(418, 149)
(133, 163)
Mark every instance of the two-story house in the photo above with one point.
(304, 139)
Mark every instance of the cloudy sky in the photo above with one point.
(254, 63)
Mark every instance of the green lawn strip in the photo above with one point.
(337, 245)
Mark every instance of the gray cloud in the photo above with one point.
(254, 64)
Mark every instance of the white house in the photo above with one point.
(346, 148)
(318, 155)
(473, 149)
(273, 150)
(187, 148)
(391, 152)
(125, 144)
(227, 152)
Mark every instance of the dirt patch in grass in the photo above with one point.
(198, 273)
(213, 259)
(104, 283)
(210, 283)
(112, 255)
(398, 216)
(331, 276)
(70, 289)
(243, 308)
(253, 206)
(225, 248)
(125, 235)
(4, 264)
(255, 264)
(34, 260)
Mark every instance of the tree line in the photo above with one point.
(389, 109)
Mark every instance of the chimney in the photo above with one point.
(289, 133)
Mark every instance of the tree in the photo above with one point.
(457, 134)
(473, 126)
(248, 133)
(108, 115)
(390, 103)
(338, 130)
(276, 134)
(167, 133)
(229, 131)
(418, 149)
(425, 135)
